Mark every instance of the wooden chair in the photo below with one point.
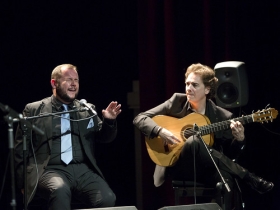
(200, 193)
(190, 190)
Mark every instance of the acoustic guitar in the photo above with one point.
(183, 128)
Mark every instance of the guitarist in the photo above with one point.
(200, 83)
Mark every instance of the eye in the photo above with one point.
(194, 84)
(70, 80)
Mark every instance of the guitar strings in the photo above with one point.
(207, 129)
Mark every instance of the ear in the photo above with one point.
(53, 83)
(207, 90)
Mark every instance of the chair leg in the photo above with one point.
(240, 198)
(221, 195)
(177, 196)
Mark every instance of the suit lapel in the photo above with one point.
(212, 111)
(47, 121)
(81, 115)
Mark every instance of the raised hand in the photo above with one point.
(112, 110)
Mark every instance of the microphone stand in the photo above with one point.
(11, 117)
(24, 129)
(9, 121)
(56, 113)
(219, 184)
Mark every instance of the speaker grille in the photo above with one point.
(227, 93)
(232, 87)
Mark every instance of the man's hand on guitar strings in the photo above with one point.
(168, 137)
(237, 130)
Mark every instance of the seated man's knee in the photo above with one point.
(63, 188)
(53, 186)
(107, 199)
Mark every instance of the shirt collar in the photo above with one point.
(57, 104)
(189, 108)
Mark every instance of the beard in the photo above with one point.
(63, 95)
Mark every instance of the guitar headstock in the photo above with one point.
(265, 115)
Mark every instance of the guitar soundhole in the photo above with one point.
(187, 133)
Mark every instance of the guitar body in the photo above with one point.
(167, 155)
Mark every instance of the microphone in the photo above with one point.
(82, 109)
(196, 129)
(84, 103)
(19, 117)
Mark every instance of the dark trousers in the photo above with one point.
(59, 184)
(195, 164)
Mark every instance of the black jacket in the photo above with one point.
(39, 149)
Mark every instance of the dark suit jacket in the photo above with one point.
(41, 145)
(177, 106)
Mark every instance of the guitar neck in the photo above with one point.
(207, 129)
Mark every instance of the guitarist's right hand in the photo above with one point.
(168, 137)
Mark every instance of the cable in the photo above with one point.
(5, 173)
(34, 155)
(194, 173)
(37, 172)
(55, 115)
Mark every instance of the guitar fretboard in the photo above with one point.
(207, 129)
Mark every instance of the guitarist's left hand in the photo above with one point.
(237, 130)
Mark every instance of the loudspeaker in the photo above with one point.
(206, 206)
(114, 208)
(232, 87)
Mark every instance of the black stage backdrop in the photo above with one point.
(115, 42)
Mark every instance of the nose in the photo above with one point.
(188, 87)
